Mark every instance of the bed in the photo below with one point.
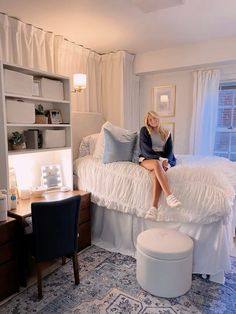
(121, 193)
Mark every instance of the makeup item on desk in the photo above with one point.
(25, 194)
(38, 191)
(13, 194)
(3, 205)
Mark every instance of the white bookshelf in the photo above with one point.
(27, 162)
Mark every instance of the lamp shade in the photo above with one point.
(79, 81)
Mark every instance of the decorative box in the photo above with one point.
(20, 112)
(18, 83)
(52, 89)
(54, 138)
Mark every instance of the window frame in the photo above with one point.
(226, 85)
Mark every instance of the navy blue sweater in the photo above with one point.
(145, 143)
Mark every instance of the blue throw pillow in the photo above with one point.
(118, 149)
(137, 152)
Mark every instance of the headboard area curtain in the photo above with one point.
(111, 86)
(71, 58)
(25, 45)
(29, 46)
(120, 90)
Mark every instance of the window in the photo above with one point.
(225, 139)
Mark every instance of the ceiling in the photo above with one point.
(133, 25)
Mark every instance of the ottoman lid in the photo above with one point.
(163, 243)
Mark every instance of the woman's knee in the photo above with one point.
(157, 165)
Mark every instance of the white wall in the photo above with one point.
(184, 82)
(190, 55)
(175, 66)
(183, 79)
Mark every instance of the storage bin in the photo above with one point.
(51, 89)
(54, 138)
(18, 83)
(20, 112)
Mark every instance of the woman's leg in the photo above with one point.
(155, 165)
(156, 190)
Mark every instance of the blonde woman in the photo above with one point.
(157, 156)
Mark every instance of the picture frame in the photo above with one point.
(55, 116)
(164, 100)
(171, 127)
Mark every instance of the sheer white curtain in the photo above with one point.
(71, 58)
(130, 95)
(29, 46)
(111, 85)
(25, 44)
(120, 90)
(205, 101)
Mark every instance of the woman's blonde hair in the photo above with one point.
(163, 132)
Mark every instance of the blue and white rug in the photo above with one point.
(108, 285)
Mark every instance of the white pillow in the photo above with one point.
(87, 145)
(118, 132)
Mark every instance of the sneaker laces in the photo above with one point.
(151, 213)
(172, 201)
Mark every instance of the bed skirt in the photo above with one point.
(116, 231)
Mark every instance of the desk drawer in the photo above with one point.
(84, 215)
(9, 280)
(84, 239)
(8, 252)
(8, 232)
(85, 201)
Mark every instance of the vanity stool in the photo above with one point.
(164, 262)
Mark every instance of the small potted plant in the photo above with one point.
(17, 141)
(40, 115)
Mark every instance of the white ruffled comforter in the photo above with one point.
(205, 186)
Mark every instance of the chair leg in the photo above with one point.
(76, 268)
(63, 260)
(39, 281)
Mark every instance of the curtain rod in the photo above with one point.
(16, 18)
(99, 53)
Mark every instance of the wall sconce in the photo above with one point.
(79, 82)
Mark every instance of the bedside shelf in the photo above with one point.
(27, 163)
(37, 99)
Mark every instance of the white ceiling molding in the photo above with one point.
(148, 6)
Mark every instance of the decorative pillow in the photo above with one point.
(118, 148)
(87, 145)
(99, 148)
(118, 132)
(137, 151)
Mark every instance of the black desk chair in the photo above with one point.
(55, 230)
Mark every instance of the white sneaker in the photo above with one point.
(151, 213)
(172, 201)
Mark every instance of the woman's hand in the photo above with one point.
(165, 165)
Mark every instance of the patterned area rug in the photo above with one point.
(108, 285)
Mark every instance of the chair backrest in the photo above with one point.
(55, 228)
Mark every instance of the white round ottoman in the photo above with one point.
(164, 262)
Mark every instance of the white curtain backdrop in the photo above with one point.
(205, 101)
(111, 85)
(130, 95)
(71, 58)
(120, 90)
(25, 45)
